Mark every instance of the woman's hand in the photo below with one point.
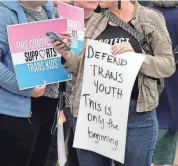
(39, 91)
(121, 48)
(60, 48)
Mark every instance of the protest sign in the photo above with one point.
(33, 56)
(103, 114)
(61, 146)
(75, 16)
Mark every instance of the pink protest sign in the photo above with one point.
(34, 58)
(76, 26)
(74, 14)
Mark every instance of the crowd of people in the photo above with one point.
(28, 116)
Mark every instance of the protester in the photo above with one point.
(141, 2)
(142, 122)
(167, 115)
(89, 7)
(26, 118)
(66, 87)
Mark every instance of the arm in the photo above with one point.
(73, 62)
(8, 79)
(162, 64)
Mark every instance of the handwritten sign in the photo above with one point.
(75, 16)
(34, 58)
(103, 114)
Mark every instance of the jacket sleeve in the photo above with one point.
(73, 63)
(162, 64)
(8, 79)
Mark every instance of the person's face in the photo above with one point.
(89, 5)
(108, 4)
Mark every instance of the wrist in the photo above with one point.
(66, 56)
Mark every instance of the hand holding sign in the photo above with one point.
(121, 48)
(33, 56)
(105, 98)
(39, 91)
(60, 47)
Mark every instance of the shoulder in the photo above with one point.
(96, 17)
(94, 24)
(96, 20)
(152, 21)
(151, 15)
(4, 10)
(6, 15)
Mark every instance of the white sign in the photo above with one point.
(103, 114)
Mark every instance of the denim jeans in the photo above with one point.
(141, 139)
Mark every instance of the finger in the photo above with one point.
(65, 37)
(44, 82)
(60, 47)
(43, 87)
(117, 50)
(56, 43)
(115, 46)
(69, 39)
(52, 40)
(65, 34)
(126, 50)
(67, 42)
(42, 92)
(63, 50)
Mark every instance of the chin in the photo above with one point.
(92, 5)
(103, 5)
(41, 3)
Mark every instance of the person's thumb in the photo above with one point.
(44, 85)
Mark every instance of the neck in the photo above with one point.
(126, 11)
(88, 14)
(29, 5)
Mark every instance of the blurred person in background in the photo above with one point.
(167, 111)
(66, 88)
